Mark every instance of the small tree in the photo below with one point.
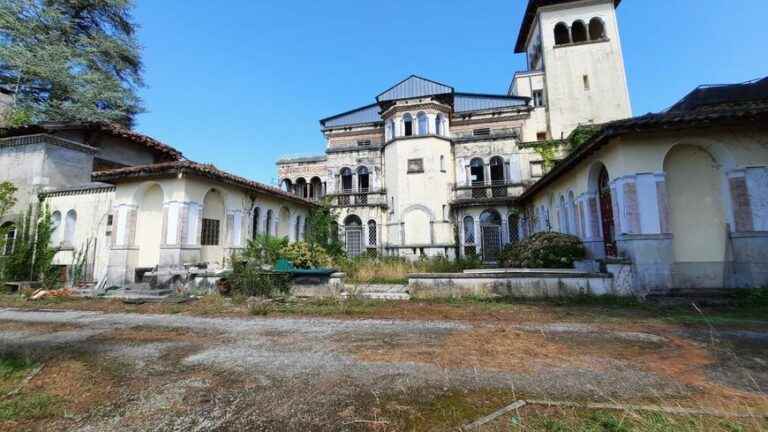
(320, 223)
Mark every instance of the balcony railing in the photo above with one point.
(359, 197)
(486, 190)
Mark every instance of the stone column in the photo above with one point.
(749, 231)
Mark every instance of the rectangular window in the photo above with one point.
(415, 166)
(110, 221)
(541, 136)
(585, 78)
(210, 234)
(537, 169)
(538, 98)
(364, 143)
(481, 132)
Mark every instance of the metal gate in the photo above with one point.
(491, 243)
(354, 241)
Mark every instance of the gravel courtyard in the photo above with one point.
(173, 372)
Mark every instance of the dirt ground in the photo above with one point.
(405, 366)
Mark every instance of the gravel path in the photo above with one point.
(302, 363)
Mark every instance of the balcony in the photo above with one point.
(359, 198)
(485, 192)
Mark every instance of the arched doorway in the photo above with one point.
(353, 229)
(606, 212)
(149, 227)
(211, 248)
(697, 218)
(490, 234)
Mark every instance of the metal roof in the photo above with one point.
(463, 102)
(530, 15)
(366, 114)
(413, 87)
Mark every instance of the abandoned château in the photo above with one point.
(425, 159)
(680, 197)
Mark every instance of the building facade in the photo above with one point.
(426, 170)
(681, 195)
(124, 204)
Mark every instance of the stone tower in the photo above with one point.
(574, 53)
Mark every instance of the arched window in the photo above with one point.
(10, 238)
(372, 233)
(56, 229)
(490, 234)
(286, 185)
(346, 180)
(498, 177)
(297, 234)
(315, 188)
(477, 171)
(606, 212)
(562, 35)
(423, 123)
(578, 32)
(574, 224)
(69, 228)
(596, 29)
(268, 224)
(514, 228)
(439, 125)
(565, 225)
(334, 231)
(363, 179)
(407, 125)
(469, 230)
(301, 187)
(256, 220)
(390, 131)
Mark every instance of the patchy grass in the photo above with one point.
(533, 418)
(396, 270)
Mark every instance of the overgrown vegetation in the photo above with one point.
(392, 270)
(70, 60)
(544, 250)
(32, 254)
(551, 150)
(321, 222)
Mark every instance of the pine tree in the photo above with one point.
(70, 60)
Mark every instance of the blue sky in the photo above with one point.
(241, 85)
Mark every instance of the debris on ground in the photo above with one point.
(43, 294)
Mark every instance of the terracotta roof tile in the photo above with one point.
(189, 167)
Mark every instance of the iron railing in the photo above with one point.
(486, 190)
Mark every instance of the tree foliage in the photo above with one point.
(70, 60)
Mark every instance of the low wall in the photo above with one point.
(531, 283)
(318, 287)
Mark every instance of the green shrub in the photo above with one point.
(304, 255)
(544, 250)
(264, 250)
(249, 280)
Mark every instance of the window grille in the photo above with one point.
(372, 235)
(210, 233)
